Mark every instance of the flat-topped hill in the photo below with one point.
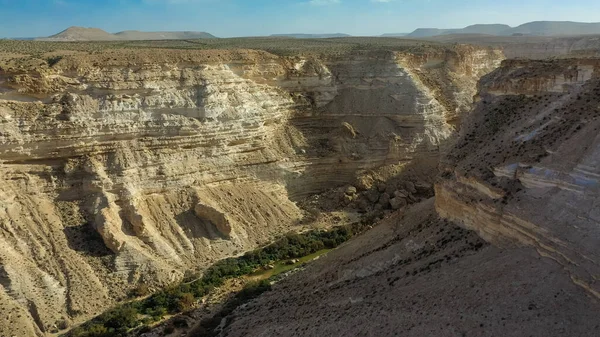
(536, 28)
(97, 34)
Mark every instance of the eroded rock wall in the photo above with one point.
(526, 167)
(120, 170)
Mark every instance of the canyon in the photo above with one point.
(521, 175)
(123, 167)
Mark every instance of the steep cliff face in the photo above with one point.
(524, 175)
(399, 106)
(124, 168)
(525, 170)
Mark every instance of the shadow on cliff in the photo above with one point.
(345, 148)
(371, 122)
(86, 240)
(196, 227)
(338, 148)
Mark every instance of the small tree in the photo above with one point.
(141, 290)
(97, 330)
(186, 302)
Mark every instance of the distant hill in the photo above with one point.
(556, 28)
(81, 34)
(138, 35)
(96, 34)
(428, 32)
(393, 34)
(311, 36)
(538, 28)
(493, 29)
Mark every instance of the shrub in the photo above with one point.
(53, 60)
(186, 302)
(141, 290)
(96, 330)
(122, 318)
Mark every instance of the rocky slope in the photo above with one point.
(128, 167)
(416, 274)
(525, 170)
(523, 175)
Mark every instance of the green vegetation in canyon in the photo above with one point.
(136, 316)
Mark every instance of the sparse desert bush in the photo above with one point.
(53, 60)
(186, 302)
(141, 290)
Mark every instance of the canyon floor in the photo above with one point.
(475, 159)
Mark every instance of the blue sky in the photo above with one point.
(225, 18)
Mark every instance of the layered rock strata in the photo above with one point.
(525, 170)
(124, 168)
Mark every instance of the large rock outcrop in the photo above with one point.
(106, 157)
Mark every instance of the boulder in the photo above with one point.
(381, 187)
(108, 225)
(351, 190)
(423, 187)
(401, 194)
(410, 187)
(364, 183)
(348, 130)
(363, 205)
(390, 188)
(384, 200)
(398, 203)
(372, 195)
(216, 217)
